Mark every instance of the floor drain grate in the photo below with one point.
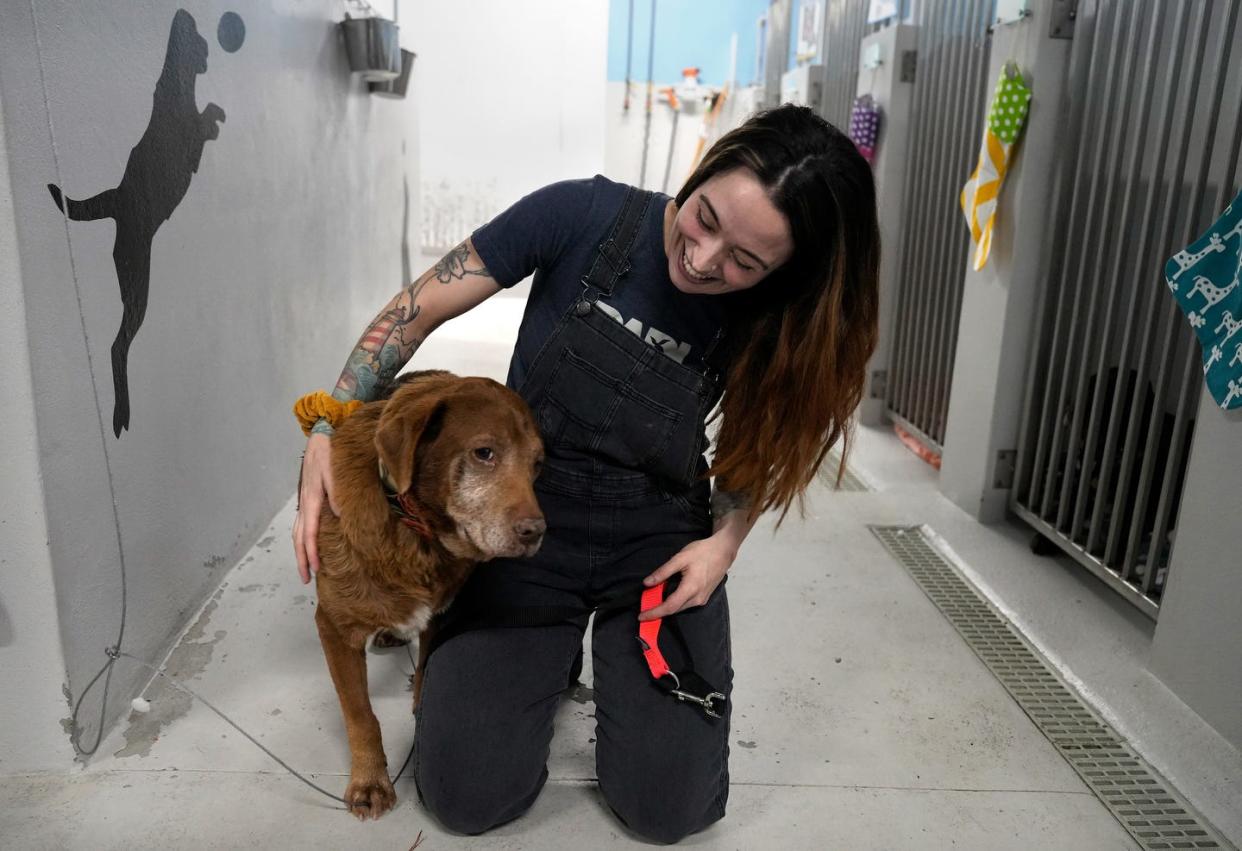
(849, 482)
(1145, 804)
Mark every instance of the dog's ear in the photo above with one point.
(403, 426)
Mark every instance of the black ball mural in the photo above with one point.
(231, 31)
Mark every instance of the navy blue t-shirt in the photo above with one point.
(555, 232)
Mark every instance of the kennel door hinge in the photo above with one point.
(1061, 20)
(909, 65)
(879, 383)
(1006, 466)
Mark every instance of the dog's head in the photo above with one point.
(468, 450)
(187, 50)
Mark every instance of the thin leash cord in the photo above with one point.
(76, 734)
(185, 688)
(224, 716)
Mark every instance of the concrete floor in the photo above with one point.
(861, 719)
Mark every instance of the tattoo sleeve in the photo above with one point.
(391, 340)
(725, 501)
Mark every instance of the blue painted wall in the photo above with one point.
(688, 32)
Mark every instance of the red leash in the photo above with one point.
(680, 686)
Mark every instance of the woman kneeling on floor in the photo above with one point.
(753, 290)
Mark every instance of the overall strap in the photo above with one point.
(612, 258)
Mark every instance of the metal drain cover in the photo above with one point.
(1154, 813)
(849, 481)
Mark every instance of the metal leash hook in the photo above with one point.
(707, 703)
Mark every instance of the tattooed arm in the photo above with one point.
(450, 288)
(458, 282)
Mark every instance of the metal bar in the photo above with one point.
(1087, 113)
(1229, 181)
(1063, 456)
(934, 223)
(1173, 322)
(915, 197)
(856, 31)
(1173, 470)
(1102, 572)
(1156, 297)
(1163, 125)
(934, 132)
(915, 281)
(904, 314)
(1100, 269)
(1105, 145)
(950, 93)
(948, 226)
(944, 78)
(1190, 387)
(896, 369)
(1042, 349)
(843, 30)
(971, 117)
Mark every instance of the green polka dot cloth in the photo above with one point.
(979, 196)
(1009, 106)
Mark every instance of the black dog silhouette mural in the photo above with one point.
(156, 179)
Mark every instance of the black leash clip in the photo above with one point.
(708, 702)
(711, 702)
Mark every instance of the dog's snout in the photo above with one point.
(530, 529)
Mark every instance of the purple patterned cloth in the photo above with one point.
(865, 126)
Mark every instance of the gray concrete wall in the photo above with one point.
(1195, 651)
(31, 662)
(289, 234)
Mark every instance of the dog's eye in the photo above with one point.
(485, 454)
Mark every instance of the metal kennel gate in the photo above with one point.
(845, 24)
(1115, 375)
(946, 119)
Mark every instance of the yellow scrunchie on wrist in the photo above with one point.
(317, 406)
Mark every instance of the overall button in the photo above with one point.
(582, 308)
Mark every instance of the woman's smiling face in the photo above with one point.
(728, 236)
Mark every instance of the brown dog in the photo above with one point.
(429, 482)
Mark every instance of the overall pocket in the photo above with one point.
(584, 408)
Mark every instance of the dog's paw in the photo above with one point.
(370, 795)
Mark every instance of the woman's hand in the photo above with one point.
(702, 565)
(316, 483)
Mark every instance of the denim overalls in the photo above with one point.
(623, 426)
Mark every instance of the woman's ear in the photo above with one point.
(408, 420)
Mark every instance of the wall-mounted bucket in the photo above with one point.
(396, 88)
(371, 44)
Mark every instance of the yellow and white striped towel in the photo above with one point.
(1006, 118)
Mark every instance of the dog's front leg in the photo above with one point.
(370, 792)
(208, 119)
(420, 667)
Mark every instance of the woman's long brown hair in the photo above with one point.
(798, 342)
